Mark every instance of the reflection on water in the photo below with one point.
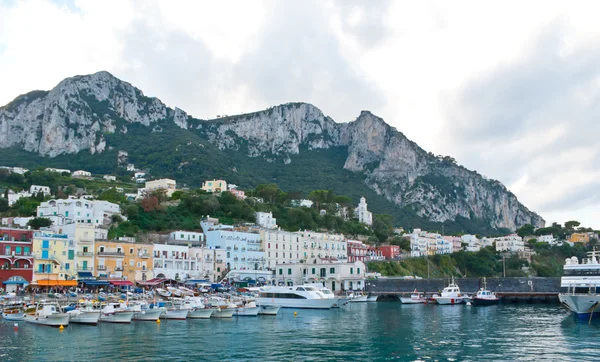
(360, 331)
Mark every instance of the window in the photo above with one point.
(27, 250)
(71, 254)
(276, 246)
(67, 266)
(351, 270)
(18, 250)
(280, 271)
(331, 270)
(304, 271)
(139, 265)
(269, 244)
(289, 271)
(219, 269)
(131, 251)
(357, 270)
(101, 249)
(313, 270)
(277, 255)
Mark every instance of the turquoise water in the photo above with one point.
(362, 331)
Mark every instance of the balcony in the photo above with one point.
(219, 260)
(82, 269)
(118, 268)
(101, 267)
(85, 253)
(144, 256)
(111, 253)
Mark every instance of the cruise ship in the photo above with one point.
(298, 296)
(580, 284)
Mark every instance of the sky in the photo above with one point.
(510, 89)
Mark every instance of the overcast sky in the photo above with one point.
(510, 89)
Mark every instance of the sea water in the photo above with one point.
(359, 331)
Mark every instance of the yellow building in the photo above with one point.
(54, 259)
(214, 186)
(163, 184)
(579, 238)
(123, 260)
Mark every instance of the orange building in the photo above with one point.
(124, 260)
(579, 238)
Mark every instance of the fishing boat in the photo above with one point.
(415, 298)
(197, 309)
(580, 285)
(116, 313)
(485, 297)
(247, 308)
(174, 310)
(221, 307)
(163, 293)
(13, 314)
(186, 292)
(268, 309)
(175, 292)
(47, 314)
(357, 297)
(84, 313)
(142, 311)
(450, 295)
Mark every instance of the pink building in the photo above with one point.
(240, 194)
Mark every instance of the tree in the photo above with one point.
(572, 224)
(526, 230)
(267, 192)
(3, 204)
(112, 195)
(149, 203)
(39, 222)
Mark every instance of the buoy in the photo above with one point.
(295, 314)
(158, 321)
(16, 326)
(61, 327)
(469, 303)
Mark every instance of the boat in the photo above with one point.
(415, 298)
(197, 309)
(450, 295)
(222, 308)
(116, 313)
(174, 310)
(357, 297)
(84, 313)
(298, 296)
(13, 314)
(339, 302)
(268, 309)
(175, 292)
(47, 314)
(372, 298)
(187, 292)
(142, 311)
(580, 285)
(485, 297)
(247, 308)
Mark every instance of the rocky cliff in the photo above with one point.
(77, 114)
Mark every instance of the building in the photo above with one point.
(425, 243)
(16, 259)
(364, 216)
(214, 186)
(58, 170)
(512, 243)
(375, 254)
(139, 177)
(239, 194)
(546, 239)
(109, 178)
(302, 203)
(189, 238)
(243, 247)
(284, 247)
(81, 174)
(84, 236)
(163, 184)
(358, 251)
(72, 210)
(175, 262)
(123, 260)
(19, 170)
(266, 220)
(579, 238)
(35, 189)
(54, 259)
(336, 276)
(390, 251)
(13, 197)
(210, 263)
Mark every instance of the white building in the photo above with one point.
(423, 243)
(174, 262)
(214, 186)
(546, 239)
(66, 211)
(163, 184)
(190, 238)
(35, 189)
(13, 197)
(81, 173)
(335, 276)
(58, 170)
(473, 244)
(266, 220)
(110, 178)
(284, 247)
(362, 213)
(513, 243)
(19, 170)
(302, 203)
(243, 247)
(210, 263)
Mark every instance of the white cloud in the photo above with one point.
(508, 88)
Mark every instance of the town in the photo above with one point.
(72, 241)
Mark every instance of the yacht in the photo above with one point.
(47, 314)
(415, 298)
(450, 295)
(116, 313)
(298, 296)
(329, 294)
(485, 297)
(580, 284)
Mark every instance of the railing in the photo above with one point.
(111, 253)
(118, 268)
(85, 253)
(82, 269)
(101, 267)
(3, 253)
(48, 257)
(144, 256)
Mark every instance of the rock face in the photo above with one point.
(75, 115)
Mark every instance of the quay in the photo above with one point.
(511, 290)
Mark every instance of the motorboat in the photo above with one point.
(415, 298)
(13, 314)
(268, 309)
(84, 313)
(47, 314)
(174, 310)
(142, 311)
(163, 293)
(186, 292)
(116, 313)
(357, 297)
(175, 292)
(197, 309)
(222, 308)
(580, 285)
(450, 295)
(299, 296)
(485, 297)
(372, 298)
(339, 302)
(247, 308)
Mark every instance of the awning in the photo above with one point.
(94, 282)
(152, 282)
(16, 282)
(57, 283)
(121, 283)
(85, 275)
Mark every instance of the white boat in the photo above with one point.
(174, 310)
(415, 298)
(186, 292)
(357, 298)
(485, 297)
(47, 314)
(372, 298)
(84, 314)
(249, 308)
(339, 302)
(268, 309)
(450, 295)
(222, 308)
(143, 312)
(163, 293)
(175, 292)
(298, 296)
(13, 314)
(116, 313)
(200, 313)
(580, 284)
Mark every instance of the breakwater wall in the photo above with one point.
(515, 289)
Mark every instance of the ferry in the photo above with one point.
(580, 284)
(298, 296)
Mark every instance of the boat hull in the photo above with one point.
(486, 301)
(86, 317)
(147, 315)
(14, 316)
(582, 305)
(223, 313)
(362, 298)
(269, 309)
(297, 303)
(177, 314)
(372, 298)
(247, 311)
(200, 313)
(55, 320)
(449, 300)
(117, 317)
(413, 301)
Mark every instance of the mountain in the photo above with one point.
(101, 123)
